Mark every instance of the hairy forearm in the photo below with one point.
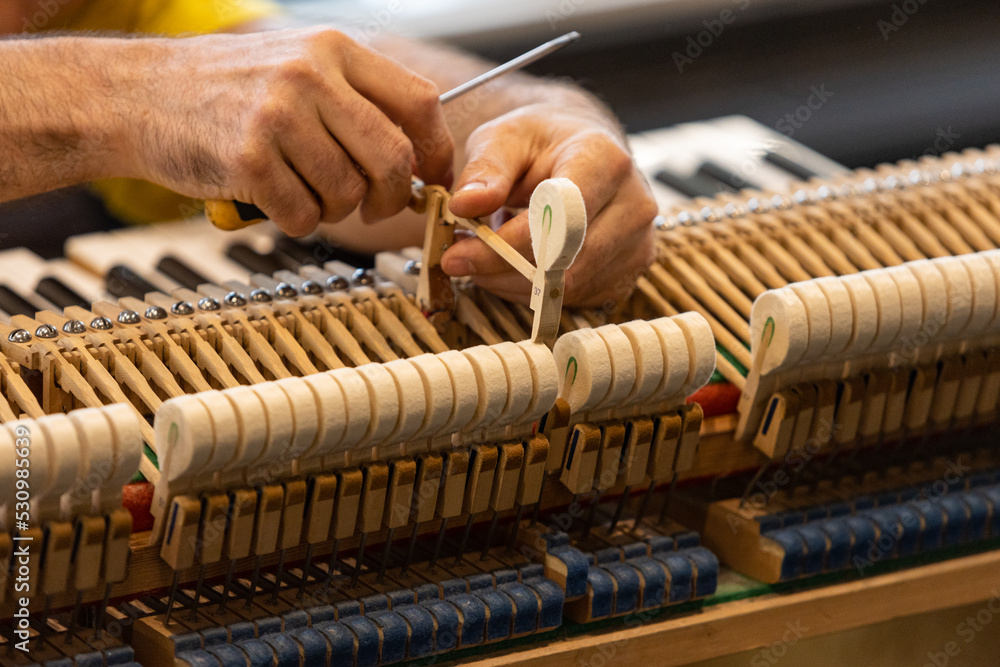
(58, 122)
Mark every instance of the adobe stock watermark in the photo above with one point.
(605, 654)
(945, 139)
(699, 42)
(967, 630)
(770, 655)
(226, 8)
(907, 349)
(563, 11)
(794, 120)
(377, 21)
(47, 10)
(793, 462)
(901, 13)
(20, 565)
(885, 545)
(754, 159)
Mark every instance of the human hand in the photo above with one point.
(509, 156)
(305, 124)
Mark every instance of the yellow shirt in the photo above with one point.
(133, 200)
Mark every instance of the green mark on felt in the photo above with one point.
(769, 324)
(172, 434)
(571, 362)
(547, 214)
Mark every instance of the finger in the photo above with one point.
(608, 287)
(472, 257)
(326, 168)
(624, 223)
(286, 199)
(598, 164)
(501, 163)
(619, 247)
(375, 143)
(409, 101)
(510, 285)
(497, 157)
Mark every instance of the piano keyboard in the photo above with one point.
(333, 478)
(725, 155)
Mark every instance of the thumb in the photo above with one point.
(497, 159)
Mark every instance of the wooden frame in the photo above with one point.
(757, 622)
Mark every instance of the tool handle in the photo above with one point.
(231, 215)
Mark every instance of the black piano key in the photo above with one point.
(122, 281)
(690, 186)
(728, 178)
(59, 293)
(14, 304)
(296, 251)
(321, 251)
(800, 172)
(256, 262)
(180, 272)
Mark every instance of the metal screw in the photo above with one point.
(311, 287)
(235, 299)
(337, 283)
(74, 327)
(363, 277)
(182, 308)
(129, 317)
(260, 296)
(46, 331)
(208, 303)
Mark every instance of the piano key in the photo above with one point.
(318, 252)
(725, 176)
(297, 251)
(59, 293)
(794, 168)
(674, 159)
(13, 303)
(180, 272)
(690, 186)
(750, 132)
(257, 262)
(22, 267)
(123, 281)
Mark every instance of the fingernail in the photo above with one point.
(473, 186)
(458, 267)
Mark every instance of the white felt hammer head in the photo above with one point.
(557, 221)
(584, 366)
(779, 328)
